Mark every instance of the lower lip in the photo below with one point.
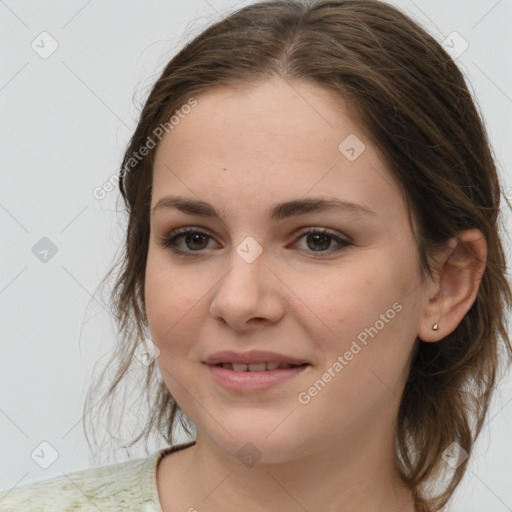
(253, 381)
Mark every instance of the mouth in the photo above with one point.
(254, 377)
(258, 367)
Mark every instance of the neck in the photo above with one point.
(341, 476)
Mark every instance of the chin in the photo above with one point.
(252, 445)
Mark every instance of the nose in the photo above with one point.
(248, 295)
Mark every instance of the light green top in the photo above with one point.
(126, 486)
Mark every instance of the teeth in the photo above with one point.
(255, 367)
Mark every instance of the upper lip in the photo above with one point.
(253, 356)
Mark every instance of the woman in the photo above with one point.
(314, 262)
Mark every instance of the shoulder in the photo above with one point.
(123, 486)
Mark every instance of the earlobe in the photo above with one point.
(460, 272)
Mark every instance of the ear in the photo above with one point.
(459, 271)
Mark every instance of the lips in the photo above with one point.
(253, 357)
(247, 381)
(257, 367)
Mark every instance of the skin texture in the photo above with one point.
(242, 151)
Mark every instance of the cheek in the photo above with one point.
(351, 298)
(173, 306)
(364, 316)
(171, 300)
(365, 361)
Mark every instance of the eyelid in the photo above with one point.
(331, 232)
(168, 240)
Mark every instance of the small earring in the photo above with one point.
(435, 327)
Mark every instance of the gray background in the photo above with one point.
(65, 121)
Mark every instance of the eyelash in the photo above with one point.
(169, 241)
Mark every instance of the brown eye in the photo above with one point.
(195, 241)
(320, 240)
(192, 242)
(186, 241)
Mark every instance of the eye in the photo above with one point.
(320, 240)
(196, 241)
(193, 239)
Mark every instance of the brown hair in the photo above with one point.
(414, 102)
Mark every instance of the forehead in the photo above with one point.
(268, 118)
(275, 138)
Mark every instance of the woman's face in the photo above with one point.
(348, 302)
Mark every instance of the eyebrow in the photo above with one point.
(277, 212)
